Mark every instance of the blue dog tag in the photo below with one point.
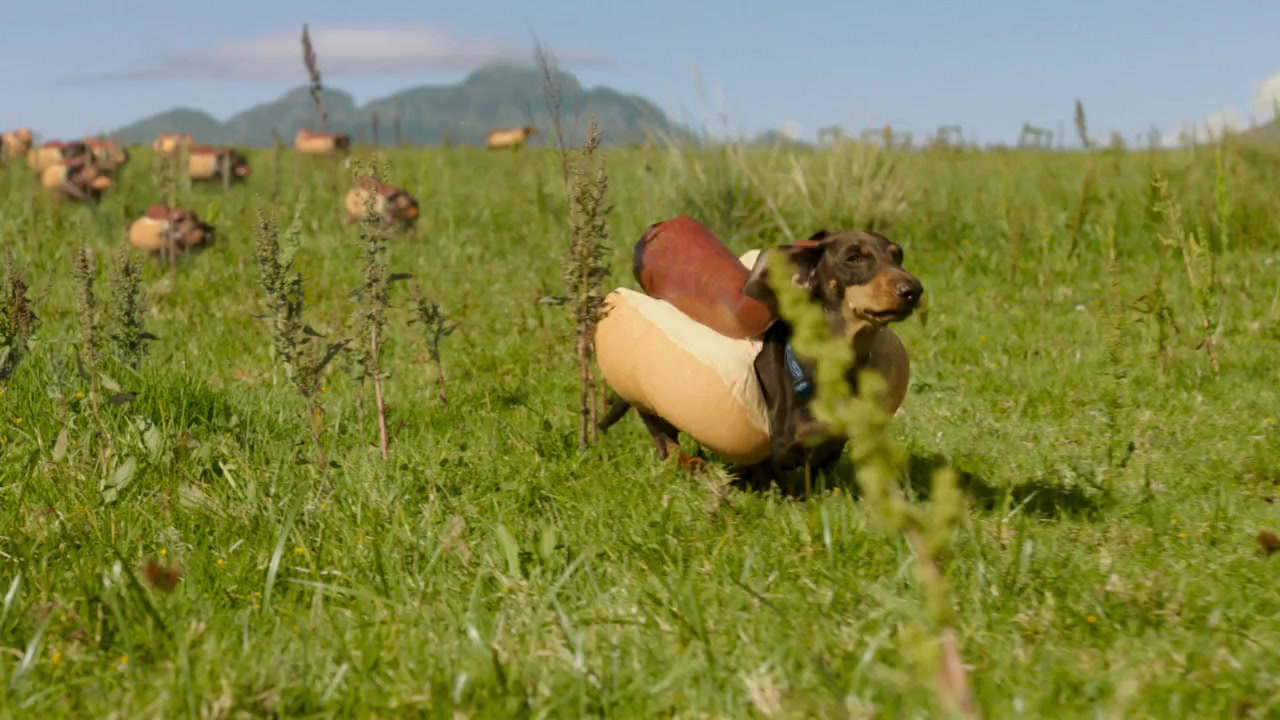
(803, 386)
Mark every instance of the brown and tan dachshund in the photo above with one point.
(855, 276)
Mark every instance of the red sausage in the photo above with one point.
(377, 186)
(680, 261)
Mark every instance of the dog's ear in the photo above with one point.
(757, 284)
(805, 255)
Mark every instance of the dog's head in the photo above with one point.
(109, 155)
(857, 278)
(404, 208)
(855, 275)
(84, 177)
(239, 164)
(189, 230)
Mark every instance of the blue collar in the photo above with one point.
(802, 384)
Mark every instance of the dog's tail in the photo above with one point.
(617, 408)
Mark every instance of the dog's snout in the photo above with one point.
(910, 290)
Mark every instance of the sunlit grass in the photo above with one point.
(1106, 562)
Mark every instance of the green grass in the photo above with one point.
(493, 569)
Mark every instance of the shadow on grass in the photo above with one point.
(1043, 497)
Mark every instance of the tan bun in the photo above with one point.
(662, 361)
(357, 202)
(147, 233)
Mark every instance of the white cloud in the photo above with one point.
(791, 130)
(1210, 128)
(1220, 121)
(340, 51)
(1262, 109)
(1267, 97)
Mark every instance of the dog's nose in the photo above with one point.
(910, 291)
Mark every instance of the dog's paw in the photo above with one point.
(692, 464)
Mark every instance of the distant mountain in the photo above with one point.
(496, 96)
(187, 120)
(777, 137)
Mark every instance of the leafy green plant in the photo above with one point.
(879, 463)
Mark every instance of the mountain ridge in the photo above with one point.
(491, 97)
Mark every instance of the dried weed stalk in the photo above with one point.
(428, 314)
(295, 343)
(1198, 261)
(127, 332)
(17, 321)
(313, 70)
(375, 298)
(167, 172)
(277, 159)
(550, 70)
(585, 267)
(89, 351)
(1089, 198)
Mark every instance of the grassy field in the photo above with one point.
(1105, 563)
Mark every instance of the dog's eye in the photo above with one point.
(896, 252)
(857, 254)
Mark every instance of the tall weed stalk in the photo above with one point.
(879, 463)
(295, 342)
(428, 314)
(316, 87)
(17, 321)
(585, 266)
(128, 335)
(1197, 261)
(375, 297)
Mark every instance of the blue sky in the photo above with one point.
(986, 66)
